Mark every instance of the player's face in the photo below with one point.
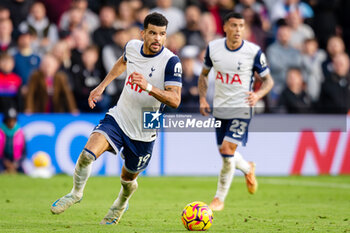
(154, 39)
(234, 29)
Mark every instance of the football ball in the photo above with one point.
(197, 216)
(41, 159)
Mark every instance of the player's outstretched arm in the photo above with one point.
(171, 96)
(204, 107)
(118, 68)
(266, 86)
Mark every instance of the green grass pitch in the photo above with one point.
(282, 204)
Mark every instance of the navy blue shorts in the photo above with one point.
(136, 154)
(233, 130)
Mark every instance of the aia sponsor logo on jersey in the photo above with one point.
(133, 86)
(227, 79)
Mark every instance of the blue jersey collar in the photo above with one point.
(234, 50)
(147, 55)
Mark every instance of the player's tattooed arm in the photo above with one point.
(267, 84)
(204, 107)
(118, 68)
(203, 83)
(171, 96)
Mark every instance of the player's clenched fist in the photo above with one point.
(139, 80)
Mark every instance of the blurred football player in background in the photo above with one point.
(234, 61)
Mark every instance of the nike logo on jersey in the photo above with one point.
(131, 62)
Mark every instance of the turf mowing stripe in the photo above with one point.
(304, 183)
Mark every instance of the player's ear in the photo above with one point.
(143, 34)
(224, 27)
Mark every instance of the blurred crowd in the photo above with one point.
(53, 53)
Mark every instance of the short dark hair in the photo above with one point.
(232, 14)
(4, 56)
(155, 19)
(295, 68)
(93, 48)
(308, 40)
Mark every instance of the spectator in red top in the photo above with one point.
(10, 82)
(212, 7)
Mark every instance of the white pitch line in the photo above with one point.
(304, 183)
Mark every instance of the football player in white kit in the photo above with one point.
(234, 61)
(154, 77)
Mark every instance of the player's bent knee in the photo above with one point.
(128, 177)
(97, 143)
(226, 150)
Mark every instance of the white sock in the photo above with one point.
(241, 164)
(82, 172)
(225, 177)
(126, 191)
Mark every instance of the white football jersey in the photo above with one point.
(160, 70)
(234, 76)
